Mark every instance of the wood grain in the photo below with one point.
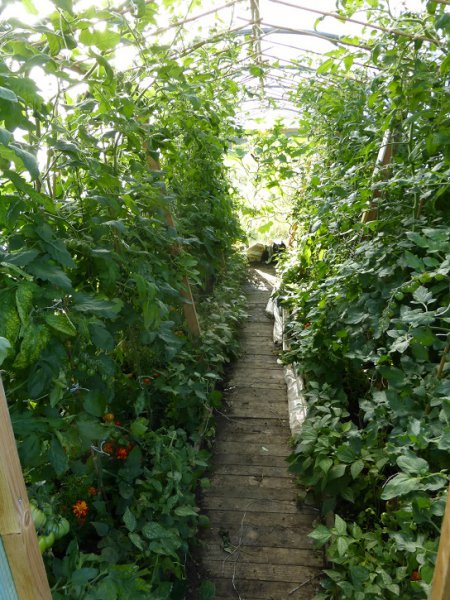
(16, 525)
(257, 546)
(440, 587)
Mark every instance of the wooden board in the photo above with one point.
(440, 587)
(265, 590)
(259, 535)
(263, 554)
(16, 525)
(255, 448)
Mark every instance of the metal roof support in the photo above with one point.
(256, 18)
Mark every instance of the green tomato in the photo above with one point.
(425, 278)
(63, 528)
(399, 295)
(50, 539)
(42, 543)
(39, 518)
(46, 541)
(59, 526)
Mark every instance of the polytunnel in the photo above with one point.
(224, 299)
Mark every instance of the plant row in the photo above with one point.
(113, 196)
(368, 294)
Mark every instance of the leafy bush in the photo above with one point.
(369, 301)
(110, 397)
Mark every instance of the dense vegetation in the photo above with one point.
(369, 301)
(110, 396)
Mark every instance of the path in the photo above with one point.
(257, 546)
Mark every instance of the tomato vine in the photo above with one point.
(110, 397)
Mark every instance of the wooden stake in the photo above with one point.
(383, 160)
(440, 587)
(190, 312)
(17, 530)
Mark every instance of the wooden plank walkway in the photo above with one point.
(257, 546)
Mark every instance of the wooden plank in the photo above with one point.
(235, 532)
(237, 425)
(16, 525)
(270, 590)
(246, 393)
(256, 333)
(265, 439)
(260, 460)
(255, 347)
(272, 373)
(251, 481)
(263, 554)
(247, 505)
(250, 492)
(269, 411)
(252, 449)
(260, 520)
(440, 587)
(261, 470)
(260, 573)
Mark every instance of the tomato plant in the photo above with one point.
(109, 395)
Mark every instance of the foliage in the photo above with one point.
(110, 397)
(369, 301)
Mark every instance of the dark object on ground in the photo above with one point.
(272, 252)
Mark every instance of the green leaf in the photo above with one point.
(400, 485)
(104, 40)
(136, 540)
(207, 590)
(412, 464)
(342, 545)
(21, 258)
(30, 7)
(101, 337)
(90, 431)
(422, 295)
(61, 322)
(356, 468)
(445, 65)
(337, 471)
(9, 95)
(139, 427)
(83, 576)
(65, 5)
(340, 525)
(5, 346)
(320, 534)
(94, 403)
(5, 136)
(129, 519)
(394, 376)
(413, 261)
(91, 304)
(325, 464)
(28, 160)
(185, 511)
(46, 271)
(57, 457)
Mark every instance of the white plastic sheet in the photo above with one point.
(298, 408)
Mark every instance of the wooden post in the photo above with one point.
(383, 160)
(18, 536)
(190, 312)
(440, 586)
